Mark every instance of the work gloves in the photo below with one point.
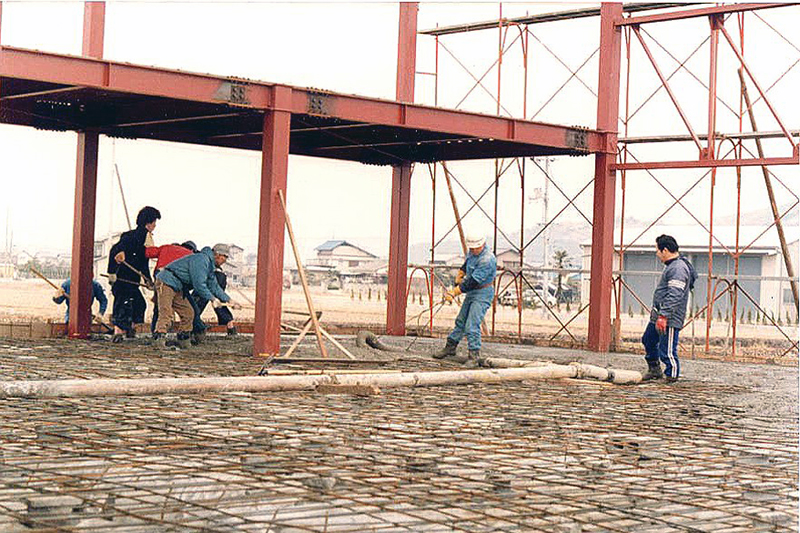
(460, 275)
(112, 279)
(661, 324)
(216, 302)
(450, 295)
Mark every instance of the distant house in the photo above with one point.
(760, 266)
(509, 259)
(341, 255)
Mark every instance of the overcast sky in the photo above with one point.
(209, 195)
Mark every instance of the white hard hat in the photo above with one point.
(474, 239)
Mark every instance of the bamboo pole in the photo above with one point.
(302, 275)
(153, 386)
(787, 256)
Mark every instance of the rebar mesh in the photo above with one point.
(534, 456)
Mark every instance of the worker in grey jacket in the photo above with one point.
(670, 299)
(173, 283)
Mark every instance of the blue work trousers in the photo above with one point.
(468, 321)
(662, 348)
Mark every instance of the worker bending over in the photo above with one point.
(474, 279)
(97, 294)
(176, 280)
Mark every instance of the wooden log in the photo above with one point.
(153, 386)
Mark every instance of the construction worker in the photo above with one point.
(474, 279)
(128, 263)
(224, 315)
(165, 255)
(97, 294)
(177, 279)
(670, 299)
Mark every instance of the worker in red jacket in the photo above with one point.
(165, 255)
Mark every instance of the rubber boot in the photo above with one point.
(184, 340)
(460, 359)
(474, 359)
(653, 371)
(198, 337)
(159, 340)
(449, 350)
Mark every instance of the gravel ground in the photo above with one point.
(716, 451)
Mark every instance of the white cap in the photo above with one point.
(474, 239)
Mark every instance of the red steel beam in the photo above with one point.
(94, 16)
(269, 274)
(82, 267)
(134, 79)
(709, 163)
(693, 13)
(401, 177)
(599, 334)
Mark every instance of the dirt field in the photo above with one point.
(24, 300)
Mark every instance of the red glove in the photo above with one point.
(661, 324)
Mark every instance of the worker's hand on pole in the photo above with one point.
(216, 303)
(661, 324)
(59, 293)
(112, 279)
(120, 257)
(234, 305)
(460, 275)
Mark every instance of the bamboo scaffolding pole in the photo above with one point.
(153, 386)
(787, 255)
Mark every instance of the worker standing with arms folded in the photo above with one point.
(474, 279)
(670, 299)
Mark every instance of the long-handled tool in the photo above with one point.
(56, 287)
(148, 283)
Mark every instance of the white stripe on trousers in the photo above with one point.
(670, 355)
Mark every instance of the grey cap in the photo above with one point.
(222, 249)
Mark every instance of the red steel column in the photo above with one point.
(82, 269)
(599, 337)
(401, 178)
(269, 274)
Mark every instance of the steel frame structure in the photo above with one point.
(604, 282)
(44, 89)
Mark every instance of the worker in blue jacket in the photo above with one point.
(177, 279)
(474, 279)
(97, 294)
(670, 300)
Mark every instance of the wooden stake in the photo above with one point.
(302, 274)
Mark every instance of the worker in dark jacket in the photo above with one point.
(176, 280)
(127, 264)
(97, 294)
(670, 300)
